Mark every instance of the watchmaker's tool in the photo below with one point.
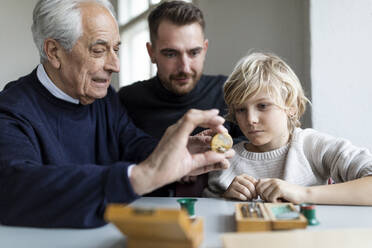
(258, 216)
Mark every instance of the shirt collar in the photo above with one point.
(51, 87)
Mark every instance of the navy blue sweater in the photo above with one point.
(61, 163)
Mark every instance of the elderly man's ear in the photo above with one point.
(53, 51)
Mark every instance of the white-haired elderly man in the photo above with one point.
(67, 147)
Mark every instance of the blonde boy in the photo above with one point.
(281, 161)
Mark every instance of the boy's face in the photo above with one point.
(263, 123)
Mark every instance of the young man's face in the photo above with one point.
(263, 123)
(86, 71)
(179, 53)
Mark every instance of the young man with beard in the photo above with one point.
(178, 48)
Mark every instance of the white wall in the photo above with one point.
(341, 52)
(238, 26)
(19, 55)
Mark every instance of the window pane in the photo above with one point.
(140, 60)
(131, 8)
(138, 6)
(123, 11)
(135, 62)
(155, 1)
(158, 1)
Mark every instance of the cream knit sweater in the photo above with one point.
(309, 159)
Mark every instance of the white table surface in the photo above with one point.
(217, 214)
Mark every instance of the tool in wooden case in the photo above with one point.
(258, 216)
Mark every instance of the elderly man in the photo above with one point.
(67, 147)
(178, 48)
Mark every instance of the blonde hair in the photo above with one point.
(259, 72)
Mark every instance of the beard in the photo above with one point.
(181, 83)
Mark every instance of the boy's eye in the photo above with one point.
(239, 110)
(262, 106)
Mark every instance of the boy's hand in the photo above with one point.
(243, 187)
(276, 190)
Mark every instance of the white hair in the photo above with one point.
(60, 20)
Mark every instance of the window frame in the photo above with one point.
(132, 23)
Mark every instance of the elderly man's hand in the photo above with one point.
(201, 142)
(178, 155)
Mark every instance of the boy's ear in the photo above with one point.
(292, 112)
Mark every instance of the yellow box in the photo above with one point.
(156, 227)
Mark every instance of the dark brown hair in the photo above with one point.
(177, 12)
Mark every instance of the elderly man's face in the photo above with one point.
(86, 71)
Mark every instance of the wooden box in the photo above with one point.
(254, 222)
(165, 228)
(264, 219)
